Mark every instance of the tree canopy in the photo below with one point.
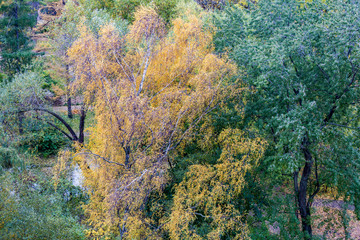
(302, 60)
(179, 119)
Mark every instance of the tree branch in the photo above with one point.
(69, 128)
(98, 156)
(57, 128)
(317, 189)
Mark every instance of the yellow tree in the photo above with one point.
(205, 202)
(150, 88)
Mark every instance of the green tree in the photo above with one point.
(25, 93)
(302, 62)
(15, 44)
(167, 9)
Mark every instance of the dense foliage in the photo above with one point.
(17, 18)
(179, 119)
(303, 61)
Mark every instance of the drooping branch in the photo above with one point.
(56, 127)
(344, 126)
(68, 127)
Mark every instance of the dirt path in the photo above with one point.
(64, 108)
(329, 220)
(336, 204)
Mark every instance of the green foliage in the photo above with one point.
(301, 61)
(10, 158)
(15, 44)
(30, 209)
(46, 82)
(3, 77)
(24, 92)
(43, 140)
(126, 8)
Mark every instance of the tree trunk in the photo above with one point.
(304, 206)
(127, 157)
(70, 115)
(82, 125)
(17, 25)
(302, 201)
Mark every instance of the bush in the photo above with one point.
(9, 158)
(44, 141)
(31, 209)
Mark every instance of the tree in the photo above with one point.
(206, 202)
(62, 35)
(302, 62)
(126, 8)
(15, 45)
(26, 94)
(150, 89)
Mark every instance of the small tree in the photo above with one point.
(302, 64)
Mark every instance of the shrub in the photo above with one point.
(45, 142)
(9, 158)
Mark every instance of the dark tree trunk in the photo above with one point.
(82, 125)
(72, 135)
(16, 15)
(127, 157)
(303, 203)
(70, 115)
(69, 106)
(301, 191)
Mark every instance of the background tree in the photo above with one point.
(302, 63)
(26, 93)
(15, 44)
(62, 35)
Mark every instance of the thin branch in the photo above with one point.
(317, 189)
(147, 56)
(344, 126)
(69, 128)
(98, 156)
(56, 127)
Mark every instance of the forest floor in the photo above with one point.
(329, 219)
(63, 109)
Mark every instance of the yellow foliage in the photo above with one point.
(147, 24)
(60, 166)
(209, 192)
(149, 89)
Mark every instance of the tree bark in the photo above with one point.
(82, 125)
(70, 115)
(304, 207)
(127, 157)
(68, 127)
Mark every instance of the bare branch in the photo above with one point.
(98, 156)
